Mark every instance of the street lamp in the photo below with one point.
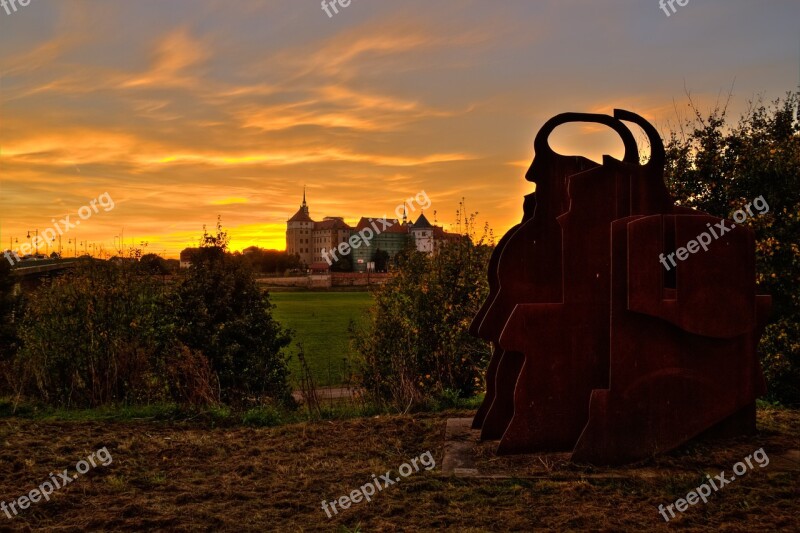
(59, 245)
(35, 240)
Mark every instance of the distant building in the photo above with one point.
(298, 234)
(319, 268)
(422, 230)
(327, 235)
(391, 240)
(312, 241)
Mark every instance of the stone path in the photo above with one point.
(329, 394)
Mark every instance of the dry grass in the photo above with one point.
(182, 477)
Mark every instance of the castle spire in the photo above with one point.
(304, 196)
(405, 218)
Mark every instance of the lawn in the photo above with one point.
(320, 320)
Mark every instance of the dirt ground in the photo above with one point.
(186, 477)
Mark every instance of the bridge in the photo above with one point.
(31, 268)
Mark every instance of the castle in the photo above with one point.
(315, 242)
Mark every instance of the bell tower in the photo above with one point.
(299, 231)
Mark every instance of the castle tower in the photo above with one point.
(422, 231)
(299, 230)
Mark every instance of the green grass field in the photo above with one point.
(319, 321)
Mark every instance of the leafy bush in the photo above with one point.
(10, 311)
(222, 313)
(94, 338)
(718, 169)
(265, 416)
(115, 333)
(154, 264)
(416, 344)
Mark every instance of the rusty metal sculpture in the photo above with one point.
(598, 349)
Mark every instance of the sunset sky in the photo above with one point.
(182, 110)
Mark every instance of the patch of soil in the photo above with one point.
(180, 477)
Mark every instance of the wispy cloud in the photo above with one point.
(187, 109)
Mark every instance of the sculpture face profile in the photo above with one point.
(597, 349)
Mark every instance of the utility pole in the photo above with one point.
(796, 121)
(59, 245)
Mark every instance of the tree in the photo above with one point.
(153, 264)
(416, 344)
(224, 314)
(381, 260)
(269, 261)
(342, 264)
(720, 168)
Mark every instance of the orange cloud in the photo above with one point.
(172, 57)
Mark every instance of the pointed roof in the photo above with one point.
(302, 214)
(393, 227)
(422, 222)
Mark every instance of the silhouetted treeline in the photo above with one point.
(269, 261)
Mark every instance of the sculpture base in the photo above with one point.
(466, 456)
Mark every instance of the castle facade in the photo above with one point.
(316, 242)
